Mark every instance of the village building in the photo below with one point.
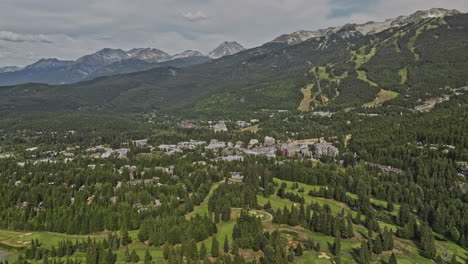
(384, 169)
(243, 124)
(187, 124)
(270, 152)
(157, 203)
(253, 142)
(140, 143)
(220, 127)
(269, 141)
(325, 149)
(113, 199)
(322, 114)
(235, 178)
(192, 144)
(154, 180)
(215, 145)
(233, 158)
(31, 149)
(239, 145)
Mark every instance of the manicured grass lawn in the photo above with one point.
(7, 234)
(48, 239)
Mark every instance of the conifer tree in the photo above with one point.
(337, 246)
(110, 257)
(167, 249)
(226, 245)
(226, 214)
(127, 256)
(291, 255)
(364, 253)
(427, 242)
(215, 247)
(203, 252)
(392, 259)
(92, 255)
(125, 238)
(235, 249)
(298, 251)
(148, 257)
(349, 227)
(134, 256)
(377, 246)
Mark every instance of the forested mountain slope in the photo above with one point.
(412, 63)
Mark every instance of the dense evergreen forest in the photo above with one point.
(183, 206)
(222, 162)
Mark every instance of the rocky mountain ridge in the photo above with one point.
(368, 28)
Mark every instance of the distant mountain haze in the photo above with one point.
(108, 62)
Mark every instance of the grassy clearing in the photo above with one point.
(382, 96)
(253, 129)
(403, 75)
(202, 209)
(48, 239)
(335, 206)
(396, 37)
(323, 74)
(413, 39)
(360, 57)
(362, 75)
(304, 106)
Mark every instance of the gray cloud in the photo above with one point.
(16, 37)
(70, 29)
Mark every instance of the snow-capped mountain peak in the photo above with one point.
(103, 57)
(187, 53)
(300, 36)
(48, 64)
(226, 48)
(149, 55)
(350, 30)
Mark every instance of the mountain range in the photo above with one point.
(368, 28)
(107, 62)
(405, 62)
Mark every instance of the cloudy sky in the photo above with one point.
(68, 29)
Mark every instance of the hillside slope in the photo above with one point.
(414, 62)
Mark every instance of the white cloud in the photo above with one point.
(16, 37)
(194, 16)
